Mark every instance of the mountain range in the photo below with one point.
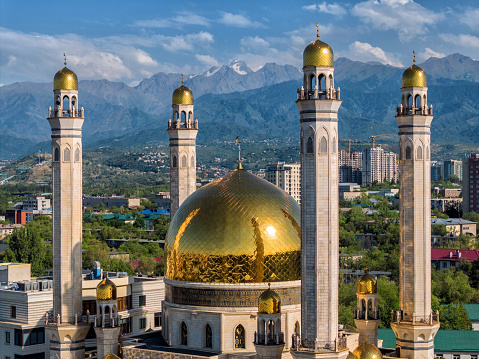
(233, 100)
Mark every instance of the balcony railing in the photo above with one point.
(330, 94)
(79, 319)
(371, 314)
(316, 346)
(424, 110)
(400, 317)
(270, 339)
(59, 112)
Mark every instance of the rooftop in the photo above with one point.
(450, 221)
(446, 254)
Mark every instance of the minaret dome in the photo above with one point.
(182, 96)
(106, 290)
(318, 53)
(269, 302)
(414, 76)
(367, 284)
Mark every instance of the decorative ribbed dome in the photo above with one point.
(414, 76)
(318, 53)
(351, 355)
(182, 96)
(106, 290)
(269, 302)
(238, 229)
(111, 356)
(65, 79)
(367, 351)
(367, 284)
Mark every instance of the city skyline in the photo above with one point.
(127, 42)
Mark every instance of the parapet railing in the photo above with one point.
(370, 314)
(317, 346)
(423, 110)
(329, 94)
(270, 339)
(59, 112)
(79, 318)
(400, 317)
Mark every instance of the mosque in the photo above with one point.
(250, 273)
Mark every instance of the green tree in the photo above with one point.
(117, 265)
(472, 216)
(147, 265)
(439, 229)
(27, 247)
(388, 299)
(454, 317)
(452, 286)
(347, 302)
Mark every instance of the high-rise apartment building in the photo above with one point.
(437, 172)
(379, 166)
(286, 176)
(452, 168)
(470, 183)
(350, 166)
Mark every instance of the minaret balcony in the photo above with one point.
(79, 319)
(367, 315)
(317, 346)
(400, 317)
(268, 339)
(425, 110)
(59, 112)
(330, 94)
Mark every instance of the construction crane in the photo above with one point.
(373, 137)
(349, 145)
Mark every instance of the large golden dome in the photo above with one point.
(182, 96)
(367, 351)
(269, 302)
(414, 76)
(238, 229)
(65, 79)
(318, 53)
(106, 290)
(367, 284)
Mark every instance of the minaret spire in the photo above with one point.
(239, 153)
(414, 59)
(317, 31)
(65, 59)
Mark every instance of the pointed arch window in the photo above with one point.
(408, 153)
(56, 156)
(297, 330)
(77, 155)
(66, 155)
(183, 162)
(174, 162)
(334, 145)
(310, 145)
(240, 342)
(208, 336)
(419, 153)
(183, 334)
(323, 145)
(427, 152)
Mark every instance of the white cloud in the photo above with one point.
(182, 19)
(428, 53)
(406, 17)
(362, 51)
(333, 9)
(255, 44)
(461, 40)
(36, 57)
(470, 17)
(238, 20)
(207, 60)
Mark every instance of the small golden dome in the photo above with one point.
(269, 302)
(106, 290)
(182, 96)
(111, 356)
(414, 76)
(351, 355)
(367, 284)
(65, 79)
(237, 229)
(318, 53)
(367, 351)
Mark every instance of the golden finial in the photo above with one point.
(65, 59)
(239, 153)
(317, 30)
(269, 285)
(182, 81)
(414, 59)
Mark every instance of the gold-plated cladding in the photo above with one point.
(367, 351)
(106, 290)
(65, 79)
(367, 284)
(318, 53)
(238, 229)
(351, 356)
(182, 96)
(414, 76)
(111, 356)
(269, 302)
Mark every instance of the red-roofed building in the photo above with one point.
(447, 258)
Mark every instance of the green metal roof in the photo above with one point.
(445, 340)
(472, 311)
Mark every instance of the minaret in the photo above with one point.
(414, 324)
(366, 316)
(318, 102)
(107, 323)
(182, 132)
(67, 327)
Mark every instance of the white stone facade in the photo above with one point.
(182, 132)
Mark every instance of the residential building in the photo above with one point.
(110, 202)
(350, 166)
(446, 204)
(470, 183)
(452, 168)
(349, 191)
(286, 176)
(444, 258)
(6, 229)
(457, 226)
(36, 203)
(18, 216)
(162, 199)
(437, 172)
(473, 313)
(379, 166)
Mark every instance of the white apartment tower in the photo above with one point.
(182, 132)
(414, 324)
(65, 330)
(318, 102)
(287, 177)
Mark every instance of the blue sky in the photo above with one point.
(129, 40)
